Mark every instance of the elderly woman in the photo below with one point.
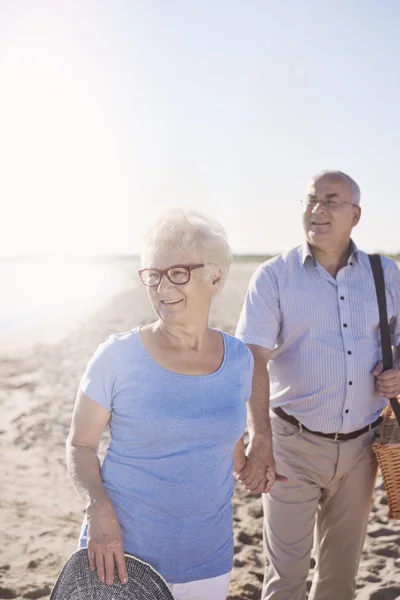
(174, 393)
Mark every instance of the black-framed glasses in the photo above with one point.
(328, 203)
(177, 274)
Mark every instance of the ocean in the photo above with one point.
(35, 291)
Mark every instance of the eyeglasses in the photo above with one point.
(177, 274)
(329, 204)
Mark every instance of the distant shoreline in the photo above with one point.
(55, 328)
(47, 331)
(136, 257)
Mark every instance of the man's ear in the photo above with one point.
(216, 280)
(357, 216)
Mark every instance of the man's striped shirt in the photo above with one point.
(324, 333)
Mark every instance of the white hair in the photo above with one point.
(354, 187)
(193, 231)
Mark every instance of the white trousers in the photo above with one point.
(215, 588)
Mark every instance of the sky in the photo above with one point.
(111, 112)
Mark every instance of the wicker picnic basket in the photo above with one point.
(387, 442)
(387, 450)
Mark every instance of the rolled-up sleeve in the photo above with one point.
(392, 280)
(249, 378)
(260, 320)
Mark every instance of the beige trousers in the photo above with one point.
(330, 486)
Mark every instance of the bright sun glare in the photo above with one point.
(63, 168)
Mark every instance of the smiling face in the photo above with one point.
(330, 215)
(186, 304)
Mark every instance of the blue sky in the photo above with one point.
(113, 111)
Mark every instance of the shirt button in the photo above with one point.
(350, 383)
(351, 264)
(344, 324)
(348, 351)
(346, 411)
(342, 297)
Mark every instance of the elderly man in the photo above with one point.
(311, 316)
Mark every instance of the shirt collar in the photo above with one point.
(306, 254)
(354, 251)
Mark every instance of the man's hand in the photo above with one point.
(259, 473)
(387, 382)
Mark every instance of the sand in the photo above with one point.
(40, 511)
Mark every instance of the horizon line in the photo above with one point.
(135, 256)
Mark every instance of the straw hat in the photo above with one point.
(77, 582)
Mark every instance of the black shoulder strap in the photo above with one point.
(387, 357)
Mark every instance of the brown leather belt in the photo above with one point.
(332, 436)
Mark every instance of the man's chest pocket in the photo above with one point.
(311, 319)
(371, 318)
(369, 324)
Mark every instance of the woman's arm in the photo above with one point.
(105, 547)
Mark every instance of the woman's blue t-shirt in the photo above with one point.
(168, 468)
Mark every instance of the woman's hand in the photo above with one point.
(105, 547)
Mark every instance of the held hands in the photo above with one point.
(258, 473)
(387, 382)
(105, 547)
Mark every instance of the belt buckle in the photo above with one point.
(336, 437)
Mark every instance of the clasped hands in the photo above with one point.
(258, 474)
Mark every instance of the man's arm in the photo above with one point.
(259, 473)
(388, 382)
(396, 355)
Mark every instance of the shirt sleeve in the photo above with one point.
(260, 320)
(249, 377)
(392, 280)
(98, 380)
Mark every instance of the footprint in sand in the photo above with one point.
(389, 593)
(389, 550)
(382, 532)
(37, 593)
(7, 593)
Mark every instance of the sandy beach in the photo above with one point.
(40, 511)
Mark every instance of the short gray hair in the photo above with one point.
(191, 230)
(355, 189)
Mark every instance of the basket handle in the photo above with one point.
(387, 356)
